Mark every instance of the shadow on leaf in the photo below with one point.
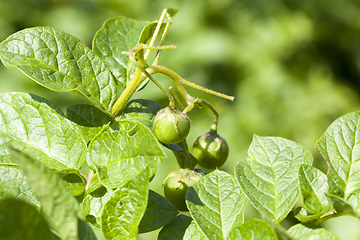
(193, 197)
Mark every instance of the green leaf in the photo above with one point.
(175, 230)
(340, 147)
(281, 232)
(85, 231)
(55, 198)
(93, 185)
(340, 205)
(302, 215)
(170, 14)
(60, 62)
(143, 110)
(123, 150)
(253, 230)
(39, 129)
(89, 119)
(93, 204)
(303, 232)
(194, 232)
(117, 35)
(313, 186)
(216, 203)
(269, 175)
(14, 184)
(75, 183)
(21, 220)
(149, 29)
(159, 211)
(122, 213)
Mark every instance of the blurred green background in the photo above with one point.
(293, 66)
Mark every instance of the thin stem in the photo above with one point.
(171, 98)
(178, 79)
(193, 85)
(89, 179)
(176, 98)
(162, 40)
(327, 217)
(216, 114)
(188, 163)
(155, 34)
(141, 46)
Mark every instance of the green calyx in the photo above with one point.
(171, 126)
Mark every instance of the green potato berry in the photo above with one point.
(177, 183)
(211, 150)
(171, 126)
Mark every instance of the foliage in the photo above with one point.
(44, 151)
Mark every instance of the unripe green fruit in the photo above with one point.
(171, 126)
(177, 183)
(211, 150)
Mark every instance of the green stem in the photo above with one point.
(155, 34)
(89, 180)
(193, 85)
(180, 80)
(216, 114)
(177, 79)
(137, 79)
(187, 163)
(125, 96)
(327, 217)
(181, 107)
(170, 97)
(141, 46)
(162, 40)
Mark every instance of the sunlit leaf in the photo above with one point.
(117, 35)
(340, 205)
(340, 146)
(39, 129)
(253, 229)
(313, 186)
(303, 216)
(122, 213)
(93, 204)
(269, 175)
(303, 232)
(89, 119)
(216, 203)
(60, 62)
(123, 150)
(14, 184)
(194, 232)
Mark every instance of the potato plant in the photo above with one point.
(46, 191)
